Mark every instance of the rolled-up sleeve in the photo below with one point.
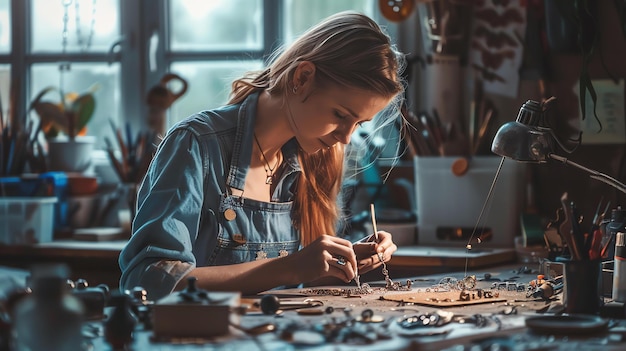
(169, 204)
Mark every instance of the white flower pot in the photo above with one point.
(67, 155)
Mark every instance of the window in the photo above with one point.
(5, 50)
(232, 37)
(210, 46)
(5, 79)
(74, 26)
(302, 14)
(127, 46)
(63, 44)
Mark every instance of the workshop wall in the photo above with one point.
(560, 76)
(554, 179)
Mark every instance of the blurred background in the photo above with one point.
(471, 64)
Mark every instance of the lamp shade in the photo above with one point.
(524, 140)
(522, 143)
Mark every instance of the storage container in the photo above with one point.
(449, 206)
(26, 220)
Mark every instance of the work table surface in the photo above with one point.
(502, 320)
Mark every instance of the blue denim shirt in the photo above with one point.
(187, 216)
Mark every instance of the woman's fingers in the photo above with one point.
(385, 246)
(341, 268)
(372, 255)
(345, 260)
(341, 260)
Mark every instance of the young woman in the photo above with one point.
(245, 197)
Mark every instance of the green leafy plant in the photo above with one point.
(69, 115)
(584, 15)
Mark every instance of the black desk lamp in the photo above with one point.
(525, 140)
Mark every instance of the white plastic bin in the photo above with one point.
(448, 206)
(26, 220)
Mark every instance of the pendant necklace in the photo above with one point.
(269, 171)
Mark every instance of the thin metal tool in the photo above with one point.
(596, 214)
(357, 278)
(482, 211)
(603, 214)
(373, 212)
(566, 229)
(270, 304)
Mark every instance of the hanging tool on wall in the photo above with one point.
(160, 98)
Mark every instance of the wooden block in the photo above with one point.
(176, 317)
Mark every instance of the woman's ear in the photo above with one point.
(304, 76)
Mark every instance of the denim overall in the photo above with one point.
(267, 228)
(187, 215)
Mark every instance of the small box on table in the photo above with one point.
(200, 314)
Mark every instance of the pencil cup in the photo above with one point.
(582, 286)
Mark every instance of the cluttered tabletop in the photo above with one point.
(506, 307)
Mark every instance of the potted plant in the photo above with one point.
(64, 123)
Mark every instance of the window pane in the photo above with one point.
(90, 25)
(5, 26)
(302, 14)
(79, 79)
(216, 25)
(209, 85)
(5, 85)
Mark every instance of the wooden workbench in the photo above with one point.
(504, 324)
(94, 261)
(505, 317)
(97, 262)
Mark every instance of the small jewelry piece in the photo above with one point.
(468, 282)
(341, 261)
(269, 171)
(389, 283)
(365, 289)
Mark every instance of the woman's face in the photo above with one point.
(329, 116)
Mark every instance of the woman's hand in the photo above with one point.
(371, 254)
(326, 256)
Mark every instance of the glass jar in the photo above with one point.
(50, 318)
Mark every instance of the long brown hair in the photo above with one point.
(348, 49)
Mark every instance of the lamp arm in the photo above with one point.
(593, 174)
(558, 141)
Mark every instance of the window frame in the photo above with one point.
(131, 51)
